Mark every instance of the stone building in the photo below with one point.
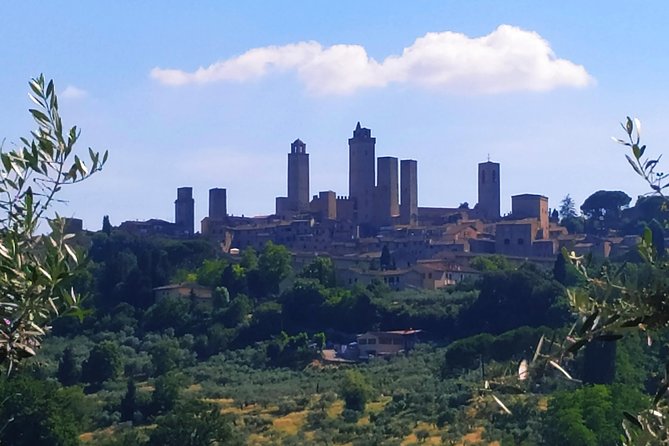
(409, 192)
(387, 196)
(297, 201)
(361, 175)
(532, 206)
(489, 191)
(184, 210)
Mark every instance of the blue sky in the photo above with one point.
(540, 86)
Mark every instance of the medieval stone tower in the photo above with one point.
(184, 210)
(409, 192)
(218, 204)
(489, 191)
(361, 174)
(298, 177)
(387, 196)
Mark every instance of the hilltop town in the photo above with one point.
(379, 231)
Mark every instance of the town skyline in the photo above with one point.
(210, 96)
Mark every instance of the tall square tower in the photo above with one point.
(361, 173)
(489, 191)
(409, 192)
(387, 193)
(298, 177)
(184, 210)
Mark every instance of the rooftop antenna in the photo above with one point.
(488, 157)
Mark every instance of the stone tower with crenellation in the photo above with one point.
(489, 191)
(361, 174)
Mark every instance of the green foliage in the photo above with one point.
(106, 225)
(273, 267)
(37, 270)
(514, 345)
(129, 402)
(170, 312)
(591, 415)
(210, 273)
(193, 423)
(166, 355)
(166, 392)
(511, 299)
(69, 372)
(491, 263)
(322, 270)
(36, 412)
(355, 390)
(602, 209)
(104, 362)
(291, 351)
(567, 208)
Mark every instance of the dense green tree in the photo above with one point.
(355, 390)
(234, 279)
(321, 269)
(273, 267)
(567, 207)
(249, 259)
(69, 372)
(210, 273)
(574, 225)
(38, 412)
(166, 392)
(491, 263)
(129, 402)
(302, 305)
(237, 312)
(510, 299)
(193, 423)
(104, 362)
(166, 355)
(170, 312)
(106, 225)
(603, 209)
(220, 297)
(591, 415)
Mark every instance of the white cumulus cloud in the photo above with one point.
(72, 92)
(508, 59)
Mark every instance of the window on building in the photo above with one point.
(507, 241)
(521, 241)
(494, 176)
(362, 341)
(371, 341)
(483, 177)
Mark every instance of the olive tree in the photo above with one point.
(611, 304)
(37, 262)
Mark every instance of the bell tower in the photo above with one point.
(489, 191)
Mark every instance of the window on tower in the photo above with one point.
(494, 176)
(483, 177)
